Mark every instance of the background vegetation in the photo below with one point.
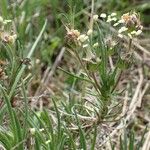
(49, 98)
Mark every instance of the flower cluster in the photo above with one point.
(79, 38)
(83, 39)
(6, 36)
(129, 23)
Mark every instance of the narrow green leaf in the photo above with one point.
(81, 134)
(142, 139)
(75, 76)
(94, 137)
(28, 56)
(131, 141)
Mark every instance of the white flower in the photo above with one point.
(116, 24)
(47, 142)
(109, 19)
(6, 21)
(1, 19)
(121, 21)
(130, 36)
(86, 38)
(122, 29)
(90, 31)
(95, 17)
(114, 19)
(32, 131)
(12, 38)
(133, 32)
(37, 61)
(95, 44)
(76, 32)
(85, 45)
(138, 32)
(41, 130)
(82, 38)
(103, 15)
(113, 14)
(120, 35)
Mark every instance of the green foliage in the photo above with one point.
(70, 122)
(128, 142)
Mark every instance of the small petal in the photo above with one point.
(1, 19)
(116, 24)
(6, 21)
(76, 32)
(89, 32)
(95, 17)
(47, 142)
(113, 14)
(82, 38)
(41, 130)
(120, 35)
(32, 131)
(121, 21)
(95, 44)
(114, 19)
(85, 45)
(103, 15)
(133, 32)
(109, 19)
(130, 36)
(122, 29)
(138, 32)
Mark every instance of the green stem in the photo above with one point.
(86, 71)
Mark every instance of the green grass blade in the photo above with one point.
(75, 76)
(5, 140)
(81, 134)
(10, 112)
(142, 139)
(4, 8)
(131, 141)
(94, 137)
(28, 56)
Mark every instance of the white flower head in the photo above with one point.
(113, 14)
(121, 21)
(95, 17)
(13, 38)
(120, 35)
(90, 31)
(82, 38)
(130, 36)
(47, 142)
(32, 131)
(6, 21)
(138, 32)
(133, 32)
(41, 130)
(122, 29)
(109, 19)
(114, 19)
(116, 24)
(95, 44)
(85, 45)
(103, 15)
(1, 19)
